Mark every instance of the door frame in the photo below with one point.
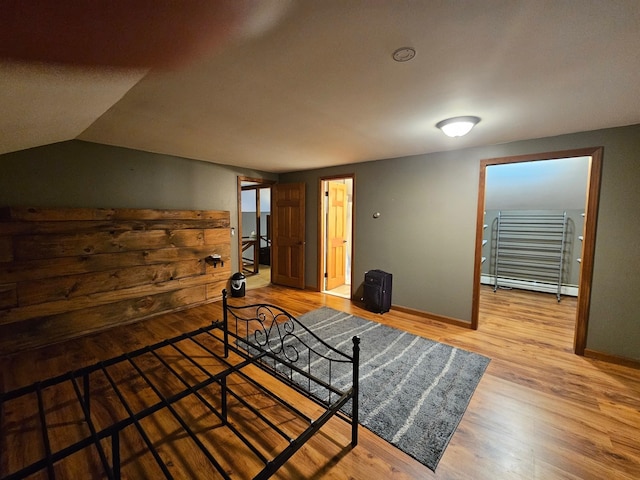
(589, 233)
(322, 245)
(259, 183)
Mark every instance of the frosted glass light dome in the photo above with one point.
(457, 126)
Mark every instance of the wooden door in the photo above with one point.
(288, 234)
(336, 235)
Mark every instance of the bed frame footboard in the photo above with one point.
(200, 395)
(288, 349)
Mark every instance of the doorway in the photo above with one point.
(587, 238)
(254, 232)
(336, 235)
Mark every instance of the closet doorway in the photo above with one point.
(586, 237)
(254, 232)
(336, 235)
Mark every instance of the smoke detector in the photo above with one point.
(404, 54)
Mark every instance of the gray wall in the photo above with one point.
(84, 174)
(426, 233)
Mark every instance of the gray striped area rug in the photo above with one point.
(413, 391)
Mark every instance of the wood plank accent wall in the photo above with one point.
(66, 272)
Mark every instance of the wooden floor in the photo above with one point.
(539, 412)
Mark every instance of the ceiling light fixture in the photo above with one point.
(457, 126)
(404, 54)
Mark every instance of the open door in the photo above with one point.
(336, 235)
(288, 234)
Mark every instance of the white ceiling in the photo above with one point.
(320, 87)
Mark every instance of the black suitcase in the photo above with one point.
(377, 291)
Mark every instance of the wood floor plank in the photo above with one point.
(539, 412)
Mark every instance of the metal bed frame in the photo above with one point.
(261, 335)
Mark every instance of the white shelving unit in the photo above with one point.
(484, 241)
(530, 247)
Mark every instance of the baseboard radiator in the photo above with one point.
(508, 283)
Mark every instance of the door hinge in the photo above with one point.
(326, 275)
(326, 194)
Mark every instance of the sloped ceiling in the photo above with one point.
(320, 87)
(42, 104)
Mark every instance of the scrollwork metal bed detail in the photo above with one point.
(197, 405)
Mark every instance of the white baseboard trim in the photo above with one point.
(569, 290)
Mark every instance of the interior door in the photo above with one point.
(288, 234)
(336, 235)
